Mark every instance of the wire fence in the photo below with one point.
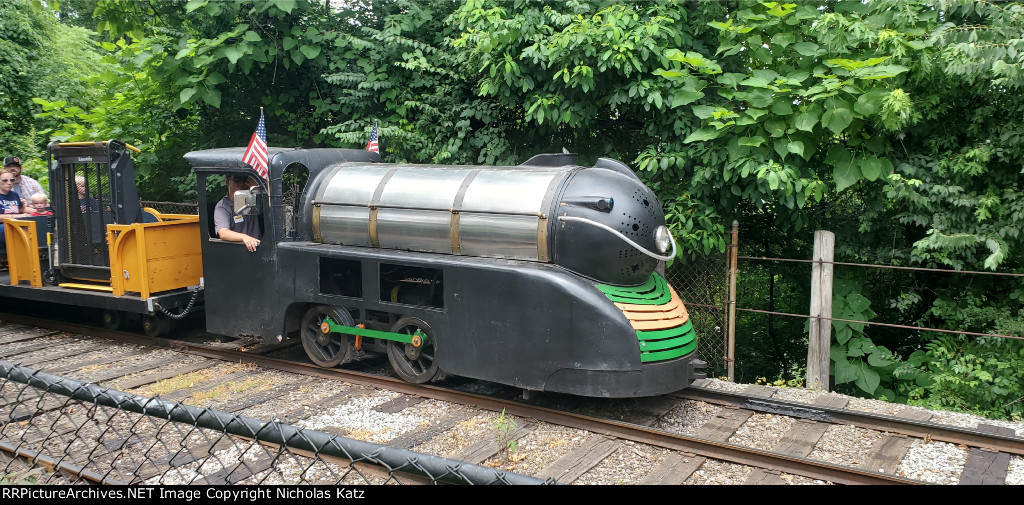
(883, 267)
(55, 430)
(701, 285)
(173, 207)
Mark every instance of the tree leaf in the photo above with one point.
(186, 94)
(775, 126)
(310, 52)
(703, 111)
(870, 102)
(878, 360)
(808, 118)
(871, 168)
(867, 379)
(845, 371)
(846, 174)
(754, 141)
(730, 79)
(837, 119)
(857, 302)
(783, 39)
(703, 134)
(796, 147)
(757, 82)
(233, 53)
(212, 97)
(806, 48)
(782, 148)
(782, 108)
(685, 97)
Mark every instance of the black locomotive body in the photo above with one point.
(540, 276)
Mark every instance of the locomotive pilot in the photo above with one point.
(232, 228)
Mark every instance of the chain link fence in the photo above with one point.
(56, 430)
(701, 284)
(173, 207)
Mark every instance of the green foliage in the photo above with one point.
(970, 375)
(504, 429)
(34, 67)
(590, 77)
(794, 123)
(400, 70)
(855, 358)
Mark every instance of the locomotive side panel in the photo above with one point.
(521, 323)
(524, 324)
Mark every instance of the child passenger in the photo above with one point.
(37, 205)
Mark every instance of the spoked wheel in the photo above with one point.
(156, 325)
(324, 347)
(414, 363)
(113, 319)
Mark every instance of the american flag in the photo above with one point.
(256, 154)
(372, 144)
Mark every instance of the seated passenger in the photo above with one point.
(23, 184)
(85, 203)
(37, 205)
(232, 228)
(10, 201)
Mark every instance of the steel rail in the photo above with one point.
(814, 469)
(56, 466)
(944, 433)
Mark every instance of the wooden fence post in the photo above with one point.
(820, 337)
(730, 323)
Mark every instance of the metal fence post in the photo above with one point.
(820, 336)
(730, 356)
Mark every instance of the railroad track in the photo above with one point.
(683, 454)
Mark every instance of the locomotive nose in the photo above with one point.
(607, 220)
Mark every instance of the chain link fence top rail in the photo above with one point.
(57, 430)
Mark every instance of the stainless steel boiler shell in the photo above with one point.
(498, 212)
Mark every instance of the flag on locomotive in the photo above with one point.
(256, 154)
(372, 144)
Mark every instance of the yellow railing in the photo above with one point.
(148, 258)
(23, 252)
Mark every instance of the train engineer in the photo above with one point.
(232, 228)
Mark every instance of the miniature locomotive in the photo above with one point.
(540, 276)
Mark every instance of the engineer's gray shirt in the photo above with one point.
(223, 217)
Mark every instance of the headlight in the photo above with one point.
(662, 239)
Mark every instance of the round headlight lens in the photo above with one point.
(662, 239)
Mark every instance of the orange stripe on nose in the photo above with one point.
(656, 317)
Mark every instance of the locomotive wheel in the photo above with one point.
(413, 364)
(156, 325)
(326, 349)
(113, 319)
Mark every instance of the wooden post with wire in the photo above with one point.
(730, 323)
(820, 335)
